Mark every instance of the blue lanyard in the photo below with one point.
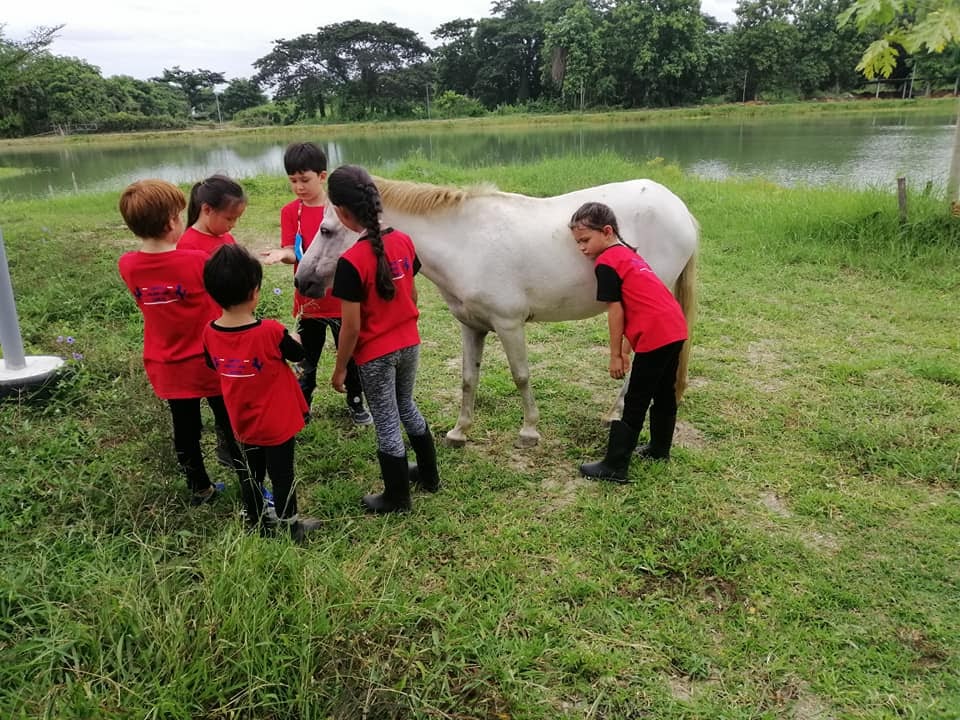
(298, 238)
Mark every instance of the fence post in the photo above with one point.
(902, 198)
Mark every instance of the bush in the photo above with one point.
(130, 122)
(273, 113)
(452, 104)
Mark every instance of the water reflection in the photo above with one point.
(857, 152)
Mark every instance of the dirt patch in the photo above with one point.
(775, 504)
(687, 436)
(768, 366)
(808, 706)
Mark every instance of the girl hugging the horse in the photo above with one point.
(640, 310)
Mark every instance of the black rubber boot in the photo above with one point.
(396, 486)
(623, 439)
(424, 473)
(661, 436)
(225, 447)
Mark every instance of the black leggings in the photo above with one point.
(187, 425)
(653, 377)
(277, 462)
(313, 335)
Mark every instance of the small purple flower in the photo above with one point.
(277, 291)
(78, 356)
(70, 340)
(60, 338)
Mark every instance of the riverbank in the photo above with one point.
(665, 116)
(797, 558)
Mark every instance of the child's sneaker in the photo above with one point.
(359, 414)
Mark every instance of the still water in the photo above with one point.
(855, 151)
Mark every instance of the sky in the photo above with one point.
(142, 38)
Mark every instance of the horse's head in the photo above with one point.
(315, 271)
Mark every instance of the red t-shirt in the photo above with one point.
(385, 325)
(652, 316)
(310, 218)
(168, 288)
(263, 398)
(193, 239)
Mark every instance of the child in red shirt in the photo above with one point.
(642, 312)
(167, 285)
(260, 390)
(215, 206)
(306, 166)
(374, 281)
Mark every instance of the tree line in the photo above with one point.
(529, 56)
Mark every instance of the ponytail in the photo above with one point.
(351, 187)
(193, 206)
(217, 191)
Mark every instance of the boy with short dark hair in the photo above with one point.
(306, 166)
(263, 399)
(167, 285)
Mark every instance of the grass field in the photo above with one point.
(799, 557)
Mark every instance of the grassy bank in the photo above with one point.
(797, 559)
(662, 116)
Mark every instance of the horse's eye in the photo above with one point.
(325, 232)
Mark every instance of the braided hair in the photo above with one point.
(351, 187)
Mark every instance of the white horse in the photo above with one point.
(501, 260)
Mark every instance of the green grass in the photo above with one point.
(797, 559)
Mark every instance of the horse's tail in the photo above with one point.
(685, 291)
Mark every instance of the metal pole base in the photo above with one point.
(38, 370)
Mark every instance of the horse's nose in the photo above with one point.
(296, 283)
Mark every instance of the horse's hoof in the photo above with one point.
(455, 438)
(527, 440)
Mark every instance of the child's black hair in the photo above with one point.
(301, 157)
(351, 187)
(593, 216)
(217, 191)
(231, 275)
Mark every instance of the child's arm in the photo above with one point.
(290, 347)
(278, 255)
(349, 332)
(615, 323)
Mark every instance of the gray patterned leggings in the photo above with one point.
(388, 384)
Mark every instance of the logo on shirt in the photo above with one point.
(160, 294)
(238, 367)
(398, 268)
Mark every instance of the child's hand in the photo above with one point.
(295, 335)
(339, 379)
(617, 367)
(277, 255)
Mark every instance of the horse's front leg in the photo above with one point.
(473, 341)
(514, 341)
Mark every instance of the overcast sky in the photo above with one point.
(142, 38)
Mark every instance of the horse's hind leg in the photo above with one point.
(514, 342)
(473, 341)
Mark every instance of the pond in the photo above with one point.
(851, 151)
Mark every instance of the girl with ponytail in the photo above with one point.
(215, 206)
(374, 280)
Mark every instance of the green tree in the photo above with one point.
(572, 53)
(829, 52)
(509, 48)
(240, 94)
(197, 85)
(348, 62)
(456, 59)
(766, 44)
(16, 61)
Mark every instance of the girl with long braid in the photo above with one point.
(374, 280)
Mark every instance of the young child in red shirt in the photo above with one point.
(306, 166)
(216, 205)
(263, 399)
(167, 285)
(642, 312)
(213, 210)
(374, 281)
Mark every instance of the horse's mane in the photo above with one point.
(424, 198)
